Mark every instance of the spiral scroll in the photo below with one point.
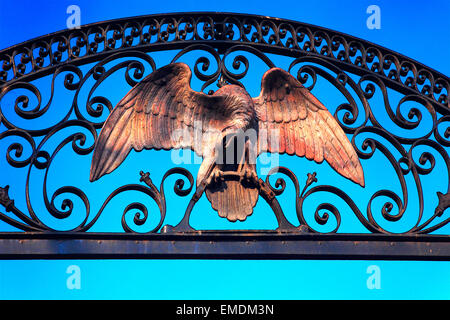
(408, 131)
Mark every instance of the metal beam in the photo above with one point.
(223, 245)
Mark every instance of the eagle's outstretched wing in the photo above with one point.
(304, 126)
(149, 114)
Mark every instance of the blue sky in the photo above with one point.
(414, 28)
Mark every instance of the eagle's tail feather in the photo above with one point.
(234, 197)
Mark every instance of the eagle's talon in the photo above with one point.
(219, 176)
(255, 177)
(215, 177)
(250, 176)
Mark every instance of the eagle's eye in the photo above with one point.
(288, 89)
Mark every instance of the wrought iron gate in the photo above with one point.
(411, 135)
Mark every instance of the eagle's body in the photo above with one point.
(163, 112)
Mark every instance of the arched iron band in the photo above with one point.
(26, 61)
(218, 43)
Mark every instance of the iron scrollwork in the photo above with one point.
(412, 136)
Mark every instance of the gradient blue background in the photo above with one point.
(416, 29)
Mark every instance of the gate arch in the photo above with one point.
(224, 47)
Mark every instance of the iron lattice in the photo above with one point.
(215, 38)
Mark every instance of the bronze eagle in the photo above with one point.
(148, 116)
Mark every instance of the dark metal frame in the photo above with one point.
(223, 245)
(315, 52)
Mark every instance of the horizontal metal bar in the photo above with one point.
(223, 245)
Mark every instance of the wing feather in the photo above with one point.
(306, 128)
(299, 139)
(149, 115)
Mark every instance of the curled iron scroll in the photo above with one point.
(226, 48)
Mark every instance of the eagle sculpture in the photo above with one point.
(152, 111)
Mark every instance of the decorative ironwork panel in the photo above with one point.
(58, 90)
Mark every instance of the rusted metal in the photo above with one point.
(223, 245)
(224, 45)
(284, 118)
